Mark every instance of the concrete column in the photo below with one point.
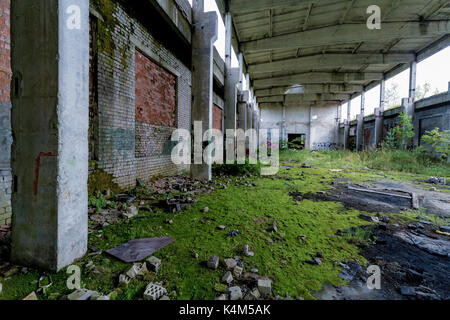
(379, 116)
(338, 123)
(412, 81)
(249, 116)
(284, 135)
(240, 57)
(409, 104)
(50, 121)
(204, 36)
(230, 88)
(360, 124)
(347, 125)
(242, 105)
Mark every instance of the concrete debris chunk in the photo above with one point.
(31, 297)
(230, 264)
(437, 180)
(369, 218)
(154, 292)
(247, 251)
(81, 295)
(213, 262)
(153, 264)
(314, 262)
(124, 280)
(222, 297)
(238, 271)
(265, 287)
(136, 270)
(235, 293)
(131, 212)
(253, 295)
(227, 278)
(273, 227)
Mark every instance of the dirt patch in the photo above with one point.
(409, 271)
(390, 197)
(363, 201)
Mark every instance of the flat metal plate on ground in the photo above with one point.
(139, 249)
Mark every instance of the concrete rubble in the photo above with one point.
(213, 262)
(153, 264)
(154, 292)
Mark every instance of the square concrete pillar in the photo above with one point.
(346, 133)
(50, 121)
(203, 38)
(360, 132)
(378, 134)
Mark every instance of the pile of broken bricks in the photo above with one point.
(153, 291)
(254, 286)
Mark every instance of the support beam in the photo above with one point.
(50, 64)
(347, 125)
(299, 98)
(337, 125)
(433, 8)
(360, 124)
(204, 36)
(243, 6)
(312, 88)
(327, 61)
(348, 33)
(299, 105)
(232, 76)
(412, 81)
(379, 116)
(317, 78)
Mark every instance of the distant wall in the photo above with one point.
(318, 124)
(430, 113)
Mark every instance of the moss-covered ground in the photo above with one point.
(251, 210)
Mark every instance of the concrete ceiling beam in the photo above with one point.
(331, 61)
(299, 98)
(318, 78)
(313, 88)
(348, 33)
(243, 6)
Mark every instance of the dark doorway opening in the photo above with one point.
(297, 141)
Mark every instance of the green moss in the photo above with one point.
(251, 211)
(106, 30)
(100, 181)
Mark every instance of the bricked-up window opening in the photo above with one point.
(155, 93)
(156, 108)
(93, 89)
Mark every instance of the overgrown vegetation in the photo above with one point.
(439, 141)
(237, 169)
(297, 144)
(401, 135)
(304, 228)
(100, 182)
(385, 160)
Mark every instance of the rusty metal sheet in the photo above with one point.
(139, 249)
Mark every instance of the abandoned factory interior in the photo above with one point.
(226, 150)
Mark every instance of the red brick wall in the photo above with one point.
(217, 118)
(5, 49)
(155, 93)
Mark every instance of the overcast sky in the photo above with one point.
(434, 70)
